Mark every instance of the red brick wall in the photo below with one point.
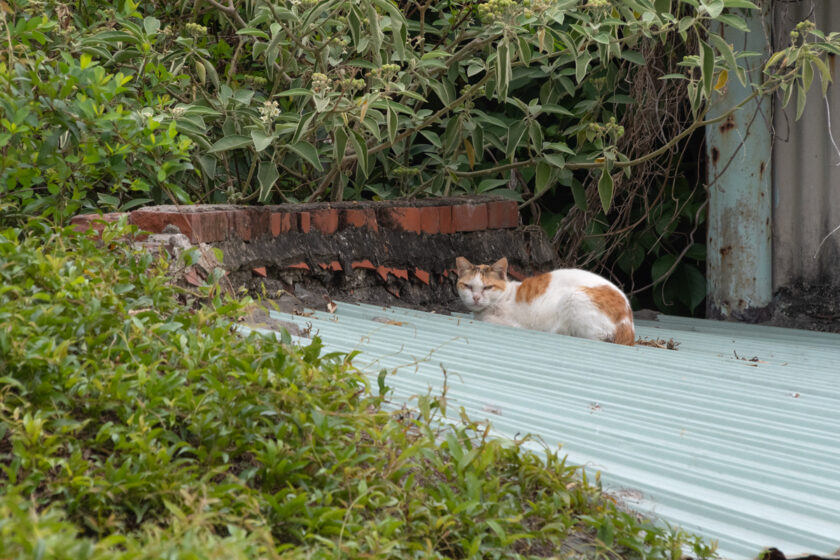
(214, 223)
(409, 245)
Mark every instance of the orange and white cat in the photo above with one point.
(566, 301)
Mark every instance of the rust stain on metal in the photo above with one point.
(761, 172)
(725, 250)
(715, 155)
(728, 124)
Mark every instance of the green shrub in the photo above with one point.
(134, 422)
(73, 135)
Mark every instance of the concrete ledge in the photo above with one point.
(376, 252)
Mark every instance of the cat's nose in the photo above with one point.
(476, 297)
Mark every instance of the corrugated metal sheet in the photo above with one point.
(735, 436)
(806, 176)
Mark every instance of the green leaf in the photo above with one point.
(634, 56)
(490, 184)
(432, 137)
(358, 142)
(295, 92)
(524, 50)
(542, 178)
(108, 200)
(661, 267)
(581, 65)
(302, 127)
(231, 142)
(740, 4)
(393, 123)
(605, 189)
(801, 96)
(734, 22)
(725, 49)
(261, 140)
(308, 152)
(267, 176)
(807, 75)
(825, 74)
(340, 144)
(692, 285)
(557, 160)
(151, 25)
(210, 70)
(253, 33)
(503, 69)
(713, 7)
(514, 140)
(707, 62)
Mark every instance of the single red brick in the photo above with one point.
(154, 220)
(363, 264)
(359, 218)
(430, 219)
(469, 217)
(209, 227)
(283, 222)
(260, 271)
(399, 218)
(422, 275)
(96, 222)
(299, 266)
(446, 223)
(335, 266)
(400, 273)
(260, 222)
(241, 223)
(502, 214)
(325, 220)
(305, 220)
(383, 271)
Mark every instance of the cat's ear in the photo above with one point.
(462, 266)
(500, 267)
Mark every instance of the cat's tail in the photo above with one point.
(624, 333)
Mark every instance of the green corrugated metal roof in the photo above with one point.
(735, 436)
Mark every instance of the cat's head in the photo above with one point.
(481, 286)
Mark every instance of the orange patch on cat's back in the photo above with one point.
(532, 288)
(624, 334)
(613, 304)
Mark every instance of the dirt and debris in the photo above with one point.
(669, 344)
(806, 306)
(379, 268)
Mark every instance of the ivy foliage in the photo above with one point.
(134, 426)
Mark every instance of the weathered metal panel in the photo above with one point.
(806, 166)
(734, 435)
(739, 258)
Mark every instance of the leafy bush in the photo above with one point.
(72, 134)
(132, 425)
